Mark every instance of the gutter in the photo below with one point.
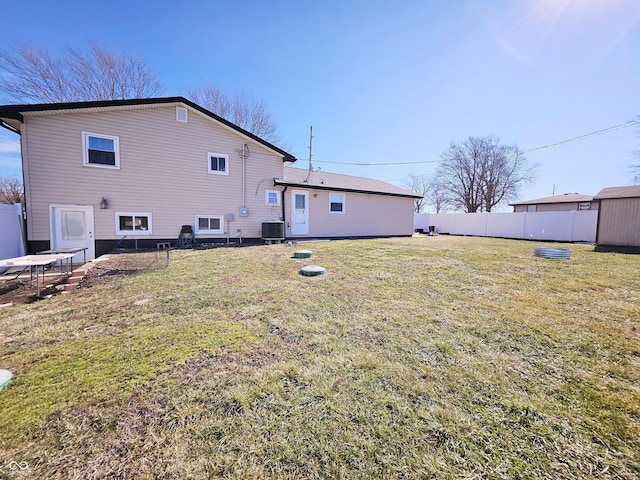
(9, 127)
(307, 186)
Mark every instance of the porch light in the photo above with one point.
(104, 204)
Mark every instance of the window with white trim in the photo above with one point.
(209, 224)
(100, 150)
(218, 163)
(584, 206)
(181, 114)
(336, 202)
(532, 208)
(133, 223)
(272, 198)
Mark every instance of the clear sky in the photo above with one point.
(386, 81)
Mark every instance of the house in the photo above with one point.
(329, 205)
(618, 226)
(557, 203)
(131, 173)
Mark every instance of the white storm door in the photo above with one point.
(72, 227)
(300, 212)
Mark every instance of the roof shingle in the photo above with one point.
(564, 198)
(629, 191)
(318, 179)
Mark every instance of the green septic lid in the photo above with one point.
(302, 254)
(312, 271)
(5, 376)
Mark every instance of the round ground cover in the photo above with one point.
(312, 270)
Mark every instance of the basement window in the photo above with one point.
(128, 223)
(209, 224)
(218, 164)
(336, 202)
(100, 150)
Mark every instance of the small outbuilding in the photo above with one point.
(618, 225)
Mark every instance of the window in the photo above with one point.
(218, 164)
(272, 197)
(133, 223)
(181, 114)
(100, 150)
(336, 202)
(584, 206)
(209, 224)
(532, 208)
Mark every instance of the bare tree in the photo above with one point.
(31, 74)
(243, 110)
(418, 184)
(429, 186)
(480, 173)
(11, 191)
(437, 195)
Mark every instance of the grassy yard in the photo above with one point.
(432, 357)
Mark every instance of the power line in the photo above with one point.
(582, 137)
(528, 150)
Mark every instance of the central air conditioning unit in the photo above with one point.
(273, 230)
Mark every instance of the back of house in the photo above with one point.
(99, 173)
(138, 173)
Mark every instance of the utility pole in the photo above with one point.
(310, 146)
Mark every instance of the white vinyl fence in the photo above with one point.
(11, 238)
(569, 226)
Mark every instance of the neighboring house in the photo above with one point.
(618, 219)
(329, 205)
(133, 172)
(557, 203)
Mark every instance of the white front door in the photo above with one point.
(300, 212)
(72, 227)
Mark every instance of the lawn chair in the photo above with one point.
(186, 239)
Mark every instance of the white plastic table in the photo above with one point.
(38, 262)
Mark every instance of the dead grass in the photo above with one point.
(431, 357)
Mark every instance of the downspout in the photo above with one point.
(598, 222)
(244, 159)
(283, 210)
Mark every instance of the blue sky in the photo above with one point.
(387, 82)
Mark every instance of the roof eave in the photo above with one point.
(340, 189)
(16, 112)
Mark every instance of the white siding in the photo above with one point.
(365, 215)
(163, 170)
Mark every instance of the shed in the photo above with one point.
(618, 225)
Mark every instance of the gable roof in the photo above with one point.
(630, 191)
(564, 198)
(12, 116)
(319, 180)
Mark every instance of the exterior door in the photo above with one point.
(300, 212)
(72, 227)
